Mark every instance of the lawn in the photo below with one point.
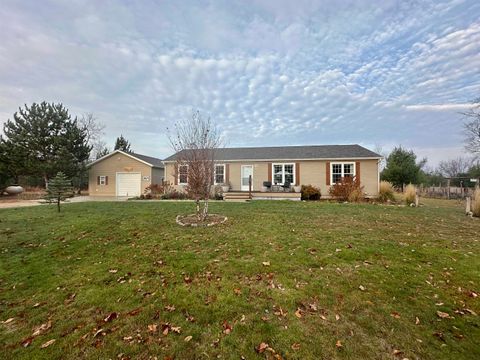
(311, 280)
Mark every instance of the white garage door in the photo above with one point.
(128, 184)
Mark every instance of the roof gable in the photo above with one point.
(310, 152)
(147, 160)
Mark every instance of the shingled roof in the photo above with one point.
(155, 162)
(309, 152)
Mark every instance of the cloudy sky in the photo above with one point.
(377, 73)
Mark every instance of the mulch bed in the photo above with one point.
(192, 220)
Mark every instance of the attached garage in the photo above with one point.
(124, 174)
(129, 184)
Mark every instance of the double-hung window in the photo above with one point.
(182, 174)
(283, 173)
(341, 170)
(219, 174)
(102, 180)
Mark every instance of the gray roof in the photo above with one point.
(151, 160)
(292, 153)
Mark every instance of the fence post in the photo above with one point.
(416, 200)
(448, 189)
(468, 208)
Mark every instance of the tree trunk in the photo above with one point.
(45, 178)
(197, 204)
(58, 204)
(205, 209)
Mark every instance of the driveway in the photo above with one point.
(8, 203)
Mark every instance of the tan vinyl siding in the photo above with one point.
(312, 172)
(109, 167)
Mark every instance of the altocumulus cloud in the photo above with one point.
(269, 73)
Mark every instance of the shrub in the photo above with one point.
(158, 189)
(175, 195)
(346, 188)
(356, 195)
(476, 203)
(310, 192)
(410, 194)
(386, 192)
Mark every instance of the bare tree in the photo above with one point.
(454, 167)
(472, 129)
(195, 142)
(94, 130)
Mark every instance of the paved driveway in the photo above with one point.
(8, 203)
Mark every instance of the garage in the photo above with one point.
(129, 184)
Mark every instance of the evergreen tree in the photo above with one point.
(42, 140)
(402, 167)
(101, 153)
(59, 189)
(122, 144)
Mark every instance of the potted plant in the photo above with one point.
(297, 188)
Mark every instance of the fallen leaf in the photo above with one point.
(152, 328)
(471, 312)
(338, 344)
(8, 321)
(169, 308)
(113, 271)
(439, 335)
(397, 352)
(176, 329)
(337, 317)
(165, 329)
(472, 294)
(48, 343)
(395, 314)
(98, 332)
(187, 279)
(295, 346)
(26, 342)
(417, 321)
(361, 287)
(298, 313)
(134, 312)
(261, 348)
(188, 338)
(42, 328)
(237, 291)
(110, 317)
(227, 328)
(70, 298)
(442, 315)
(266, 263)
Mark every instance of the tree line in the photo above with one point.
(44, 139)
(402, 166)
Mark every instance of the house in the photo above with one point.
(320, 166)
(123, 174)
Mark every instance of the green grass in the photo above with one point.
(412, 263)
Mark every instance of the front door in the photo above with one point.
(247, 172)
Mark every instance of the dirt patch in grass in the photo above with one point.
(192, 220)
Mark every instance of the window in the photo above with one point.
(219, 174)
(183, 174)
(103, 180)
(283, 173)
(341, 170)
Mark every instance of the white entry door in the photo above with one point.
(247, 171)
(129, 184)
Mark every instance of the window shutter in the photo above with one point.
(328, 172)
(106, 180)
(297, 174)
(98, 180)
(175, 174)
(227, 173)
(357, 171)
(269, 171)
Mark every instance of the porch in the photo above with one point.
(258, 195)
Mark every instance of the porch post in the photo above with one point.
(250, 186)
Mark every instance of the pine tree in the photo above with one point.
(59, 189)
(123, 144)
